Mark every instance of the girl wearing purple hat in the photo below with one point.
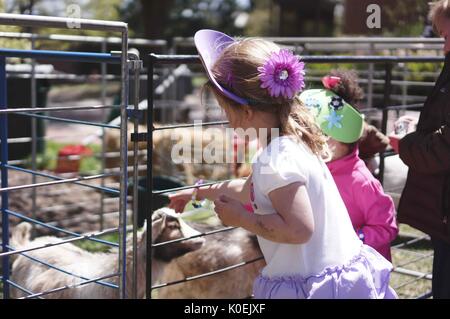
(301, 222)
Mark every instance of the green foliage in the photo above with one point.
(48, 160)
(184, 16)
(96, 247)
(399, 14)
(11, 43)
(99, 9)
(417, 71)
(259, 23)
(189, 15)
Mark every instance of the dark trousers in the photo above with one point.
(441, 269)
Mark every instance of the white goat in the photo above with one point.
(36, 277)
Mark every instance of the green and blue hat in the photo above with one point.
(336, 118)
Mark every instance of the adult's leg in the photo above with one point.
(441, 269)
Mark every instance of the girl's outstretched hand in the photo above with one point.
(180, 199)
(229, 210)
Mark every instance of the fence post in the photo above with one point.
(385, 112)
(136, 66)
(370, 79)
(4, 178)
(103, 159)
(33, 133)
(149, 192)
(123, 166)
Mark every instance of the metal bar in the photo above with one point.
(370, 79)
(387, 97)
(123, 165)
(61, 55)
(62, 181)
(412, 235)
(47, 225)
(33, 137)
(419, 275)
(51, 291)
(329, 40)
(177, 59)
(187, 187)
(106, 189)
(77, 204)
(222, 230)
(62, 242)
(71, 157)
(425, 295)
(412, 241)
(103, 158)
(215, 272)
(12, 283)
(68, 76)
(136, 65)
(4, 177)
(142, 137)
(59, 119)
(83, 38)
(149, 188)
(168, 127)
(57, 108)
(414, 260)
(39, 261)
(62, 23)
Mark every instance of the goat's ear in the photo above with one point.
(158, 227)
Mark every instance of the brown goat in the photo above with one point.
(220, 250)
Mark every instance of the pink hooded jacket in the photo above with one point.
(372, 212)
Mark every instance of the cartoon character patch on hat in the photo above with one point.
(334, 115)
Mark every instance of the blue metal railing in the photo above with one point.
(4, 178)
(5, 211)
(91, 57)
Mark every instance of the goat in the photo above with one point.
(195, 139)
(220, 250)
(36, 277)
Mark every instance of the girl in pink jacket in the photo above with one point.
(371, 211)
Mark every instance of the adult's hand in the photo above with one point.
(405, 125)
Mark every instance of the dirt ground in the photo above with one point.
(69, 206)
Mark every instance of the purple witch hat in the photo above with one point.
(210, 44)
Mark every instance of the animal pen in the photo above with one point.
(130, 62)
(120, 58)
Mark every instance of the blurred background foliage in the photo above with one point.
(156, 19)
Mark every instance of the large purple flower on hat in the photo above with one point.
(282, 74)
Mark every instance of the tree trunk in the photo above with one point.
(155, 15)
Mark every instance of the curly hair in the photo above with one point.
(348, 88)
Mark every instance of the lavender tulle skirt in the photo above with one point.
(366, 276)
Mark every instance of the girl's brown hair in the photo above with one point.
(236, 70)
(348, 88)
(439, 9)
